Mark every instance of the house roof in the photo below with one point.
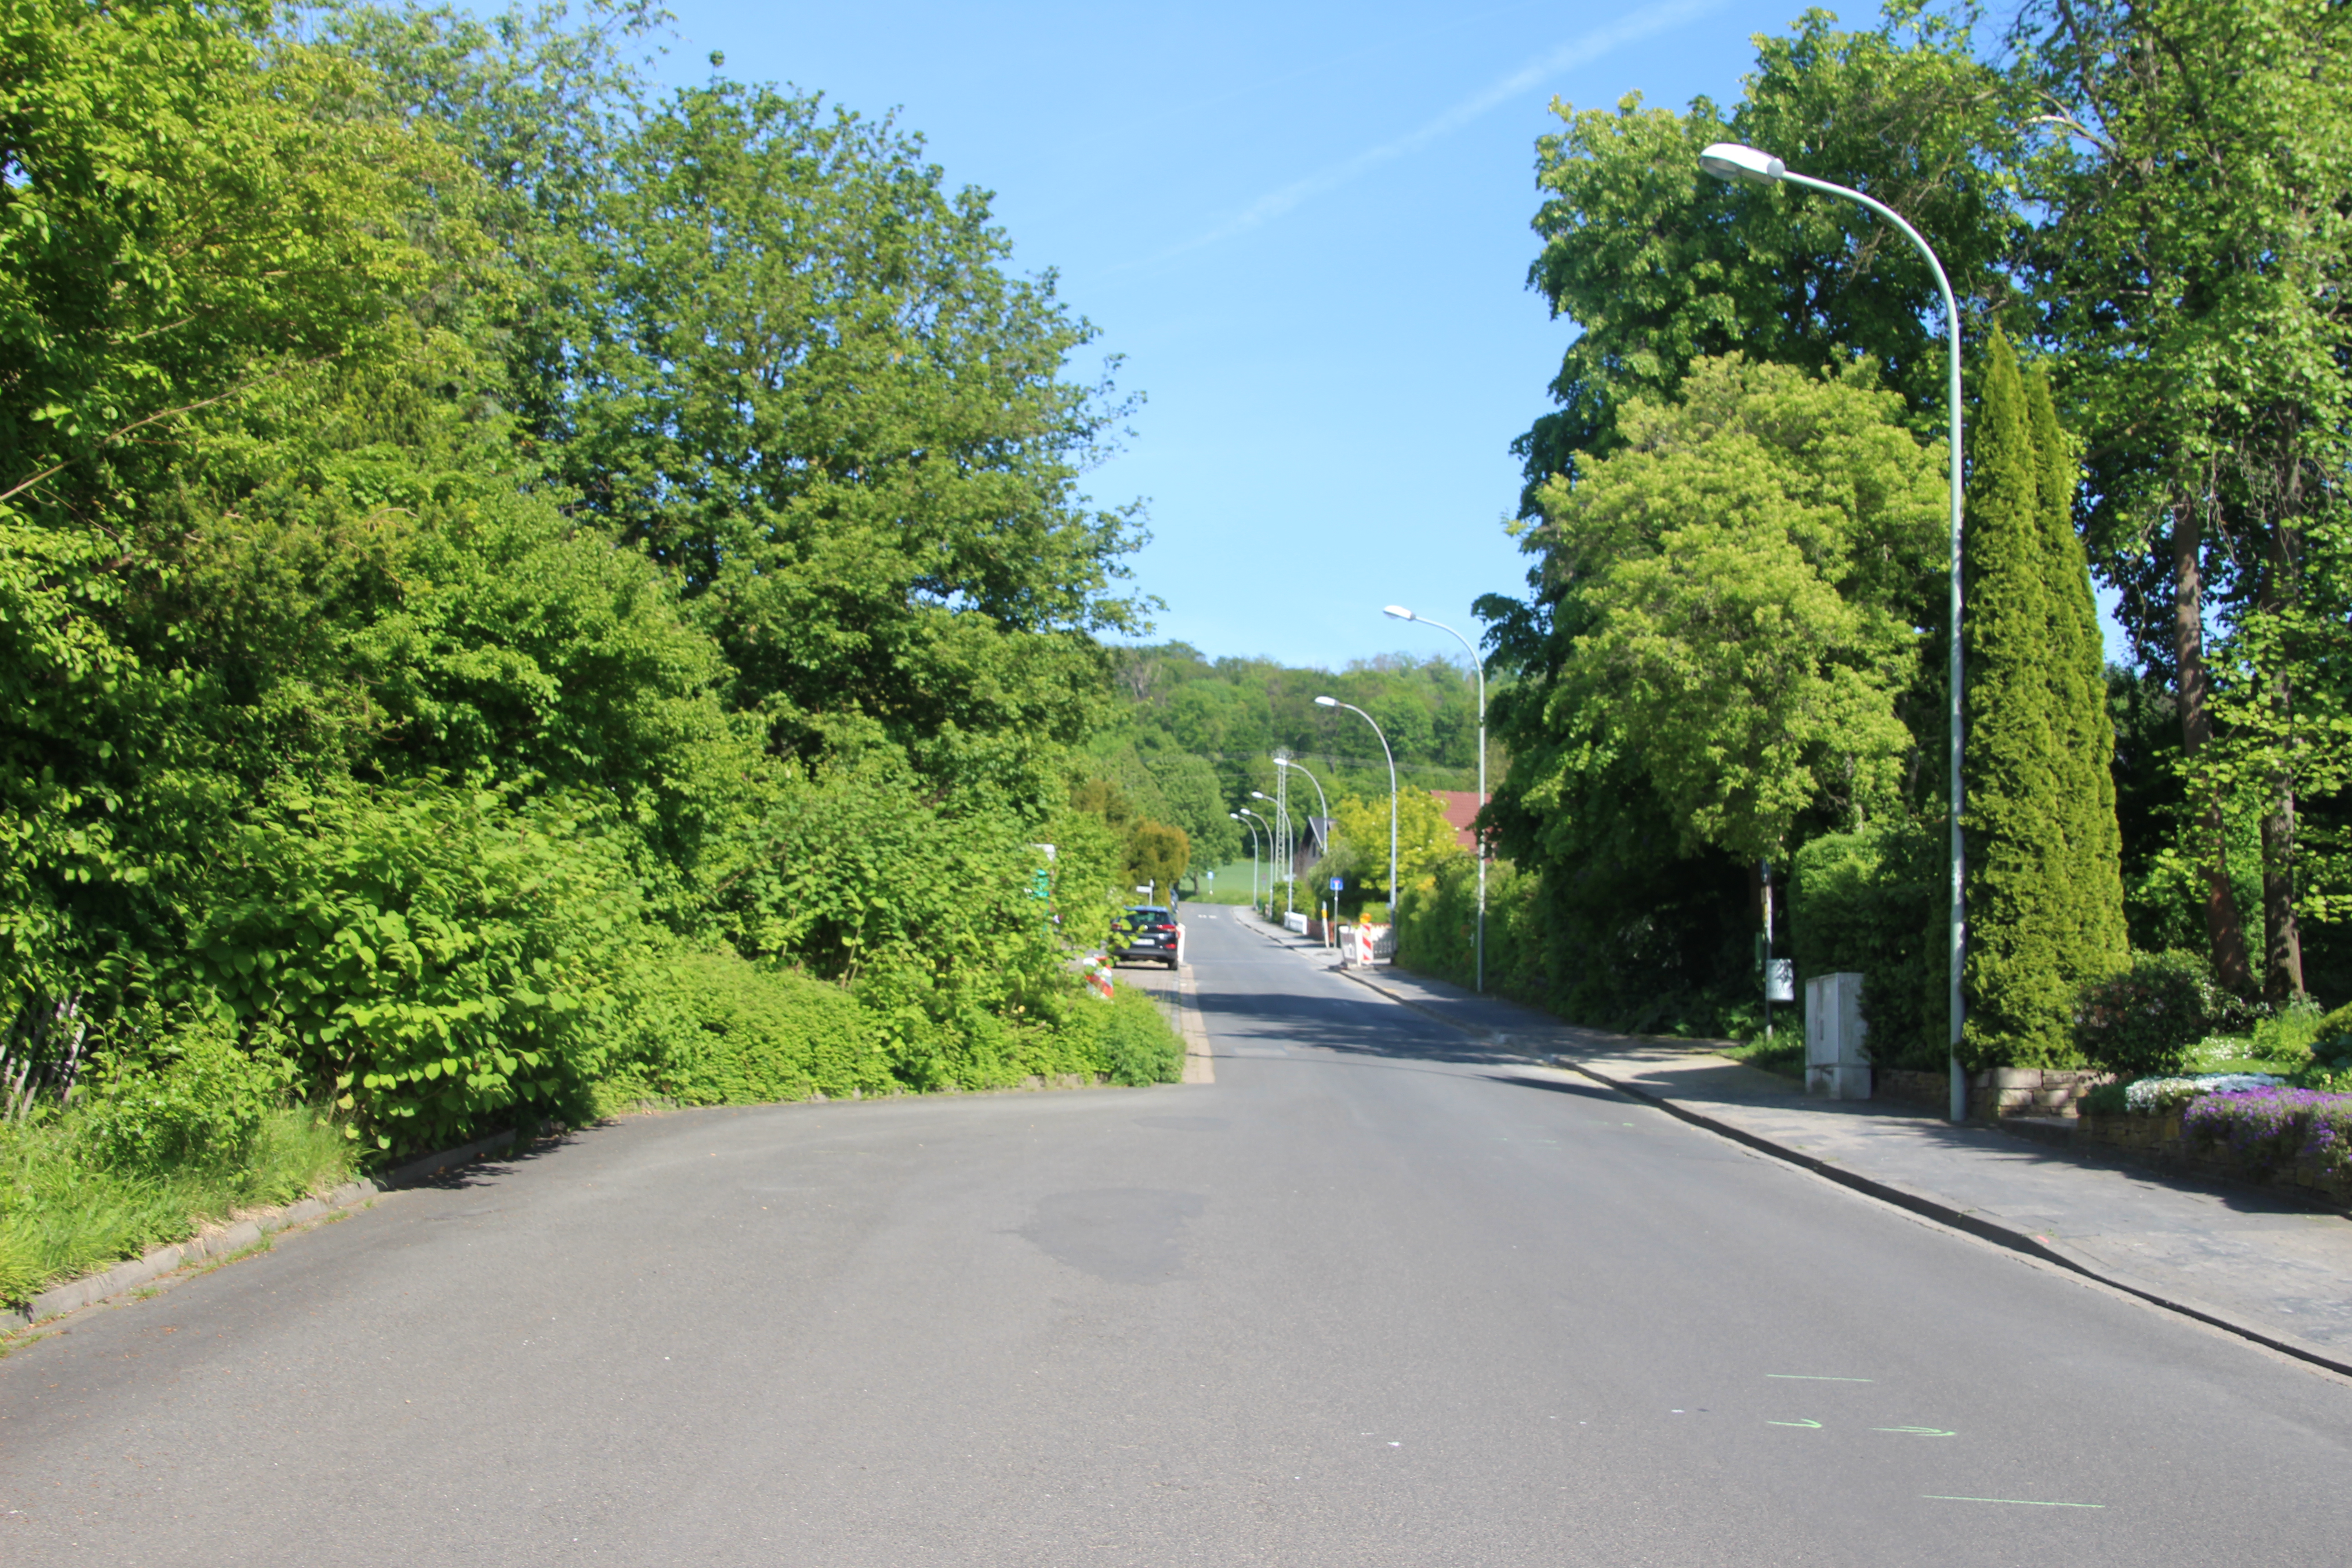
(1461, 809)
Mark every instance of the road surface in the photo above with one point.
(1374, 1297)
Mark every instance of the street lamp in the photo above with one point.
(1326, 805)
(1400, 613)
(1727, 161)
(1334, 702)
(1319, 798)
(1288, 841)
(1252, 832)
(1269, 852)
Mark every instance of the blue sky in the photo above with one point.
(1304, 226)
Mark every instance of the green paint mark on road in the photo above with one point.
(1814, 1424)
(2019, 1501)
(1810, 1377)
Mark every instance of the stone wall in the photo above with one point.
(1995, 1092)
(2159, 1138)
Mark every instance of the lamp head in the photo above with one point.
(1400, 613)
(1327, 702)
(1731, 160)
(1260, 794)
(1235, 815)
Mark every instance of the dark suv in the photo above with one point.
(1146, 932)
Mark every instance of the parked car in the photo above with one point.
(1146, 932)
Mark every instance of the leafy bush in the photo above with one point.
(438, 962)
(713, 1029)
(2104, 1100)
(2145, 1021)
(2265, 1129)
(2331, 1041)
(178, 1090)
(1866, 903)
(1138, 1047)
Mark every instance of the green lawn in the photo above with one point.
(1232, 885)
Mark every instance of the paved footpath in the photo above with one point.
(2252, 1261)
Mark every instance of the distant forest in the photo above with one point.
(1193, 736)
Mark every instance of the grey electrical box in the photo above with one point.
(1836, 1064)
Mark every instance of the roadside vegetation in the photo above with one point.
(477, 650)
(1732, 655)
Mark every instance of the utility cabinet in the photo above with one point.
(1836, 1063)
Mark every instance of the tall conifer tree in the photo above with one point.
(2078, 676)
(2017, 906)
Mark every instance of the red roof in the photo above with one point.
(1461, 808)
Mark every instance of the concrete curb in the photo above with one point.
(124, 1278)
(1490, 1036)
(1946, 1211)
(1928, 1204)
(1200, 1061)
(92, 1290)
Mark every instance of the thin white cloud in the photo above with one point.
(1582, 51)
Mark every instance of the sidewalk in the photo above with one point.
(2238, 1257)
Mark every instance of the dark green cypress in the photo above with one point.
(2085, 730)
(2022, 919)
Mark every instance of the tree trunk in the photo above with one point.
(2281, 934)
(2222, 927)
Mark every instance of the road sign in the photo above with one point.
(1335, 884)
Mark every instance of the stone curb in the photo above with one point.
(123, 1278)
(1945, 1211)
(1199, 1061)
(1928, 1204)
(94, 1288)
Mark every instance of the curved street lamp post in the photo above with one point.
(1245, 811)
(1283, 838)
(1728, 160)
(1283, 841)
(1252, 832)
(1334, 702)
(1401, 614)
(1319, 800)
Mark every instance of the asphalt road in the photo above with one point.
(1374, 1297)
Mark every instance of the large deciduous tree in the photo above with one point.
(2192, 277)
(1747, 571)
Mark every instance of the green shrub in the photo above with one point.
(1137, 1045)
(2105, 1100)
(435, 961)
(178, 1090)
(2286, 1033)
(713, 1029)
(2145, 1021)
(1868, 902)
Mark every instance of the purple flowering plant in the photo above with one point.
(2264, 1129)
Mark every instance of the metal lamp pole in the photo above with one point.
(1319, 800)
(1285, 840)
(1334, 702)
(1401, 614)
(1727, 161)
(1252, 832)
(1245, 811)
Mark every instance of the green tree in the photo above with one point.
(1158, 854)
(1747, 572)
(2191, 280)
(1661, 265)
(2044, 907)
(845, 429)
